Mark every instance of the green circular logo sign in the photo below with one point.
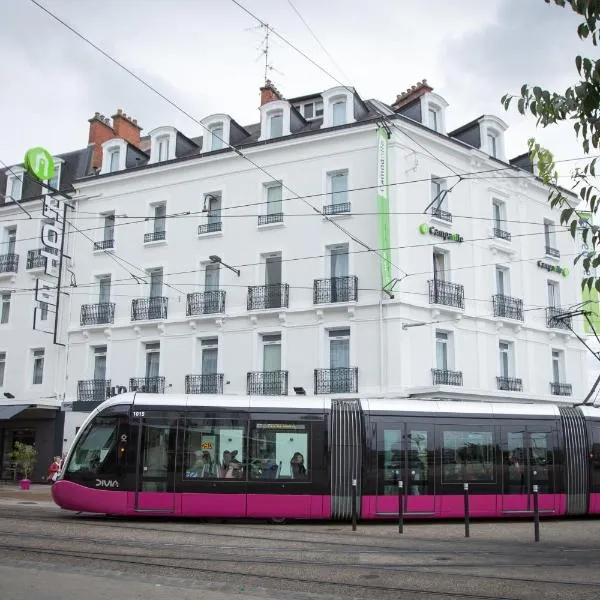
(423, 228)
(39, 163)
(565, 272)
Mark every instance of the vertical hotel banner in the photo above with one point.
(590, 296)
(383, 209)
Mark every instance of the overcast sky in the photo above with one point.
(205, 55)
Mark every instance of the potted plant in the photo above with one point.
(24, 456)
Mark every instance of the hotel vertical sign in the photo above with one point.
(383, 209)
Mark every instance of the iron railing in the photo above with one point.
(93, 390)
(343, 380)
(149, 385)
(209, 227)
(261, 297)
(205, 303)
(503, 235)
(335, 289)
(154, 236)
(212, 383)
(555, 318)
(9, 263)
(35, 259)
(267, 383)
(143, 309)
(272, 218)
(104, 244)
(550, 251)
(97, 314)
(337, 209)
(446, 293)
(507, 307)
(445, 377)
(561, 389)
(510, 384)
(443, 215)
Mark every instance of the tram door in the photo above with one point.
(528, 460)
(405, 453)
(155, 474)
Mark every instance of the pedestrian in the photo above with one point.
(54, 469)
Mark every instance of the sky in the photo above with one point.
(205, 55)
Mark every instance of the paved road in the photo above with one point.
(95, 557)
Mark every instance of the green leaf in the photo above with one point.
(597, 285)
(566, 214)
(578, 64)
(573, 228)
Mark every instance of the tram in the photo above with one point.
(281, 458)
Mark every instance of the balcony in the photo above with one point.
(343, 380)
(561, 389)
(335, 289)
(211, 383)
(446, 293)
(145, 309)
(9, 263)
(444, 377)
(155, 236)
(501, 234)
(97, 314)
(93, 390)
(555, 320)
(147, 385)
(267, 383)
(104, 245)
(507, 307)
(262, 297)
(443, 215)
(509, 384)
(337, 209)
(35, 260)
(269, 219)
(205, 303)
(550, 251)
(210, 227)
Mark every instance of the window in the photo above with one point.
(439, 265)
(55, 181)
(467, 456)
(309, 110)
(492, 141)
(5, 308)
(163, 148)
(14, 187)
(210, 353)
(434, 117)
(152, 361)
(549, 236)
(442, 342)
(114, 158)
(213, 205)
(104, 289)
(338, 256)
(109, 228)
(211, 277)
(216, 137)
(96, 450)
(2, 367)
(43, 311)
(271, 352)
(160, 212)
(339, 351)
(273, 269)
(506, 359)
(557, 366)
(553, 294)
(276, 125)
(156, 283)
(280, 450)
(100, 365)
(502, 281)
(439, 196)
(274, 200)
(338, 188)
(11, 240)
(38, 366)
(319, 108)
(339, 112)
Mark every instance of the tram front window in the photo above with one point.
(96, 450)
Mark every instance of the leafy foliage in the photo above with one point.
(25, 456)
(579, 104)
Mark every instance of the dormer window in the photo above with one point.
(114, 153)
(14, 185)
(492, 136)
(216, 136)
(162, 144)
(55, 181)
(340, 106)
(275, 119)
(276, 125)
(492, 143)
(433, 108)
(338, 116)
(163, 148)
(114, 160)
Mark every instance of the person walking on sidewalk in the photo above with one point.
(54, 469)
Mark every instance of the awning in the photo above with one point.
(9, 411)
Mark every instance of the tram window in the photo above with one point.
(393, 461)
(280, 451)
(96, 450)
(468, 456)
(214, 450)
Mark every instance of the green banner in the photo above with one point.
(383, 209)
(590, 297)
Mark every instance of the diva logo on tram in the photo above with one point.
(107, 483)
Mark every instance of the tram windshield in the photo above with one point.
(95, 448)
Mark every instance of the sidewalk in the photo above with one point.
(37, 492)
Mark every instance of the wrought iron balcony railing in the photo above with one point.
(261, 297)
(337, 209)
(9, 263)
(507, 307)
(154, 236)
(550, 251)
(267, 383)
(335, 289)
(209, 227)
(503, 235)
(561, 389)
(272, 218)
(446, 293)
(443, 215)
(104, 245)
(555, 318)
(205, 303)
(35, 260)
(143, 309)
(211, 383)
(93, 390)
(444, 377)
(343, 380)
(97, 314)
(510, 384)
(148, 385)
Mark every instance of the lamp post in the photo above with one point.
(217, 260)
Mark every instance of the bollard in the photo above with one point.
(466, 496)
(354, 484)
(536, 514)
(400, 507)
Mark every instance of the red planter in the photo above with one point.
(24, 484)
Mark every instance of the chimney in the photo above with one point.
(100, 132)
(412, 93)
(127, 128)
(269, 92)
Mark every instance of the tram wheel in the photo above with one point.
(278, 521)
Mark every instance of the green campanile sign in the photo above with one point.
(39, 163)
(383, 209)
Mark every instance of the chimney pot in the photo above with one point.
(127, 128)
(119, 111)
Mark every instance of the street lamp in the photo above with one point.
(217, 259)
(9, 395)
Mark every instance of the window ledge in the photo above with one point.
(210, 234)
(498, 244)
(556, 259)
(278, 225)
(344, 215)
(104, 250)
(440, 221)
(155, 243)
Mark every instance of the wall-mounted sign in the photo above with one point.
(39, 163)
(428, 229)
(553, 268)
(383, 210)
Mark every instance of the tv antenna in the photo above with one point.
(264, 48)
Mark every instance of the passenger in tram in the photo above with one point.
(297, 466)
(231, 467)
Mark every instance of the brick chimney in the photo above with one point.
(100, 132)
(127, 128)
(269, 92)
(412, 93)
